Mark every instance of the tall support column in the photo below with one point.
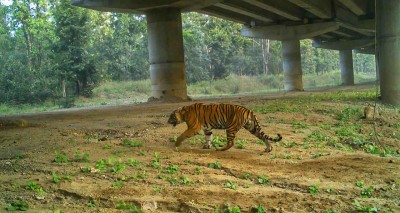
(166, 57)
(388, 49)
(346, 67)
(292, 65)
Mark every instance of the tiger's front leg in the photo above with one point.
(186, 134)
(208, 135)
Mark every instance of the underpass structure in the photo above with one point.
(362, 26)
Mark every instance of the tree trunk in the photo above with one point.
(265, 53)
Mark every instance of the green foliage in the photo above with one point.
(230, 185)
(262, 180)
(34, 186)
(218, 141)
(128, 143)
(259, 209)
(18, 206)
(215, 165)
(241, 143)
(228, 209)
(361, 208)
(60, 157)
(360, 184)
(171, 169)
(101, 165)
(314, 189)
(133, 162)
(367, 193)
(121, 205)
(57, 178)
(81, 158)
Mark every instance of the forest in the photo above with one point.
(51, 50)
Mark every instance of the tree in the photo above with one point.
(74, 65)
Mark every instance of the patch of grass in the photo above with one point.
(241, 143)
(118, 168)
(349, 113)
(227, 209)
(368, 192)
(173, 139)
(361, 208)
(186, 180)
(18, 206)
(171, 169)
(215, 165)
(58, 178)
(81, 158)
(299, 125)
(34, 186)
(60, 157)
(197, 170)
(230, 185)
(263, 180)
(121, 205)
(360, 184)
(218, 141)
(118, 184)
(259, 209)
(316, 136)
(128, 143)
(133, 162)
(101, 165)
(246, 176)
(314, 189)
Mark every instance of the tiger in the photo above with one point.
(218, 116)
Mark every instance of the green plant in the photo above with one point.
(118, 168)
(259, 209)
(361, 208)
(101, 165)
(299, 125)
(262, 180)
(57, 178)
(133, 162)
(246, 176)
(366, 193)
(118, 184)
(197, 170)
(91, 204)
(18, 206)
(121, 205)
(171, 169)
(313, 189)
(230, 185)
(241, 143)
(218, 141)
(228, 209)
(215, 165)
(349, 113)
(128, 143)
(173, 139)
(360, 184)
(330, 211)
(81, 158)
(316, 136)
(60, 158)
(34, 186)
(186, 180)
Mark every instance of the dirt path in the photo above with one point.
(299, 175)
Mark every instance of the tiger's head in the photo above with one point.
(176, 117)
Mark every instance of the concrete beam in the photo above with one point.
(344, 45)
(358, 7)
(320, 8)
(277, 8)
(388, 49)
(244, 11)
(366, 50)
(337, 32)
(211, 11)
(194, 5)
(122, 5)
(281, 32)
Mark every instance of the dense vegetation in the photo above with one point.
(50, 50)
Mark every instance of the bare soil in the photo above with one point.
(280, 181)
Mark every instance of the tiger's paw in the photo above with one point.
(268, 149)
(206, 146)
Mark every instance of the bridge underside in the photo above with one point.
(343, 25)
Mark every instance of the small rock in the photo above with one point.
(149, 206)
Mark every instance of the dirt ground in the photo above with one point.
(142, 168)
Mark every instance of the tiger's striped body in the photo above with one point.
(218, 116)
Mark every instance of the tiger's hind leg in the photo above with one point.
(230, 135)
(208, 135)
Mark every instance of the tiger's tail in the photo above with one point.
(254, 128)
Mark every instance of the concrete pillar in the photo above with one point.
(346, 67)
(388, 49)
(166, 57)
(292, 65)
